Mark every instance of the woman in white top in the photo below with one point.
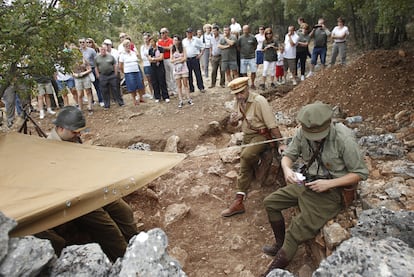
(339, 35)
(129, 66)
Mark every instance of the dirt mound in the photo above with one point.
(378, 83)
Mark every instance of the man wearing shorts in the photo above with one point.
(227, 45)
(247, 44)
(44, 88)
(289, 61)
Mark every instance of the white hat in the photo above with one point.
(107, 41)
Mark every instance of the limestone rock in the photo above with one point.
(180, 255)
(140, 146)
(202, 150)
(6, 224)
(175, 212)
(82, 260)
(232, 174)
(146, 255)
(230, 154)
(334, 234)
(172, 143)
(382, 258)
(26, 256)
(378, 224)
(217, 168)
(279, 273)
(200, 190)
(236, 139)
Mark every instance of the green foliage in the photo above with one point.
(33, 34)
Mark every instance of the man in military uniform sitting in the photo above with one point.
(258, 124)
(334, 162)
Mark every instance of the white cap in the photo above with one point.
(107, 41)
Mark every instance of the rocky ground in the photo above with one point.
(186, 202)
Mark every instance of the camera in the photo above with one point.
(317, 26)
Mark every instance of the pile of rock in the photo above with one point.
(146, 255)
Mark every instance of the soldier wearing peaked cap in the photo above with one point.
(258, 124)
(333, 163)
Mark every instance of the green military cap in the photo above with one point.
(315, 119)
(238, 84)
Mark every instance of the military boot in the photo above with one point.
(280, 261)
(236, 207)
(278, 228)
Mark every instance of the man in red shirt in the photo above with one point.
(167, 43)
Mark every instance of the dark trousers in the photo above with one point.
(216, 64)
(97, 88)
(106, 82)
(301, 57)
(158, 82)
(193, 64)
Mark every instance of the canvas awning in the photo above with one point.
(44, 183)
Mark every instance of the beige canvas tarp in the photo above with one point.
(44, 183)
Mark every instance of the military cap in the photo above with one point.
(70, 118)
(315, 119)
(238, 84)
(189, 30)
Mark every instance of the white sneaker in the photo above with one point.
(42, 114)
(49, 111)
(167, 100)
(302, 77)
(157, 100)
(101, 104)
(294, 82)
(310, 74)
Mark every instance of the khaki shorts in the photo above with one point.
(83, 83)
(46, 88)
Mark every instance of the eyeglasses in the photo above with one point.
(121, 36)
(163, 33)
(89, 42)
(81, 41)
(261, 29)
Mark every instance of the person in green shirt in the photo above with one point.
(333, 162)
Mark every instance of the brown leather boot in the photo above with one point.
(280, 261)
(278, 228)
(236, 207)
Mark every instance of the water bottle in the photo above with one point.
(354, 119)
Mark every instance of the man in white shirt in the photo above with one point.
(235, 27)
(260, 37)
(289, 61)
(194, 47)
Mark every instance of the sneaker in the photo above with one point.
(147, 95)
(180, 104)
(310, 74)
(49, 111)
(42, 114)
(294, 82)
(157, 100)
(90, 111)
(167, 100)
(272, 85)
(203, 91)
(101, 104)
(190, 102)
(302, 78)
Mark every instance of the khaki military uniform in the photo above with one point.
(340, 155)
(111, 226)
(257, 116)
